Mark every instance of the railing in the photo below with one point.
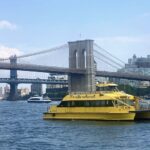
(23, 80)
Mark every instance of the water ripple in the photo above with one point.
(22, 128)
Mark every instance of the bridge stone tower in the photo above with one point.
(81, 57)
(13, 75)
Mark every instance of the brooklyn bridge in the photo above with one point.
(83, 61)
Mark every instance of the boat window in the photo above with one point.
(63, 104)
(103, 103)
(34, 99)
(129, 102)
(107, 88)
(97, 103)
(73, 104)
(109, 103)
(69, 104)
(87, 104)
(90, 103)
(120, 103)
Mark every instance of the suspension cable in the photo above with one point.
(106, 62)
(43, 51)
(4, 59)
(109, 53)
(37, 53)
(108, 58)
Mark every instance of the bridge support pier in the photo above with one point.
(81, 57)
(13, 75)
(13, 95)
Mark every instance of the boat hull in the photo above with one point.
(142, 115)
(89, 116)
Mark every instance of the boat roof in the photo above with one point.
(36, 97)
(98, 96)
(103, 84)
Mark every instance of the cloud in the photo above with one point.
(6, 52)
(123, 39)
(4, 24)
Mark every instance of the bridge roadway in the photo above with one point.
(22, 80)
(40, 68)
(61, 70)
(120, 75)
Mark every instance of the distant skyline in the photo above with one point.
(121, 27)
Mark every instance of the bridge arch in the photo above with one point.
(76, 59)
(84, 58)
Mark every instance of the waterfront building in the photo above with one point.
(56, 91)
(1, 91)
(6, 90)
(138, 65)
(24, 91)
(36, 89)
(56, 77)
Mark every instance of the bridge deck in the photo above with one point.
(61, 70)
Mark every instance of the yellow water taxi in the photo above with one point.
(107, 103)
(142, 107)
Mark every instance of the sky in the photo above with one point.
(120, 27)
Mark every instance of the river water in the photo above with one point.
(22, 128)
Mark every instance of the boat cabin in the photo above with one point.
(107, 87)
